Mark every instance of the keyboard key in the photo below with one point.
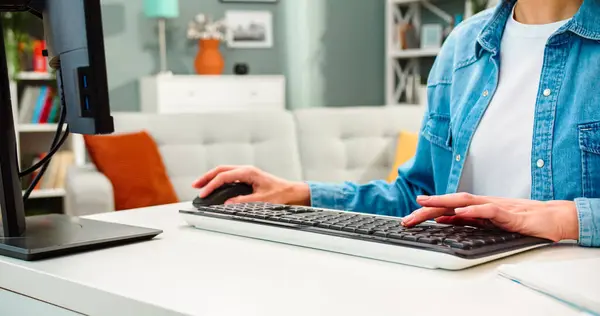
(364, 231)
(427, 240)
(409, 237)
(323, 225)
(337, 226)
(349, 229)
(380, 233)
(395, 236)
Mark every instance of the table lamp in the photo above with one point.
(162, 10)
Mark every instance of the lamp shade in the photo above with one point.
(167, 9)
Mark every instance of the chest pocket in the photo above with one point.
(438, 131)
(589, 143)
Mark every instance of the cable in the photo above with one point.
(45, 166)
(56, 144)
(53, 148)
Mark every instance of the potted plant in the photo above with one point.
(17, 40)
(209, 34)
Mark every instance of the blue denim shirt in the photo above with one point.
(566, 131)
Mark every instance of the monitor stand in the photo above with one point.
(44, 236)
(55, 235)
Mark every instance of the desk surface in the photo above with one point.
(186, 271)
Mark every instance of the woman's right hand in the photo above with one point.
(266, 187)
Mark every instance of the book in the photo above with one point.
(47, 107)
(37, 112)
(28, 103)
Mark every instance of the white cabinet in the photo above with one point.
(192, 93)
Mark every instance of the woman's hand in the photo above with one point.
(266, 187)
(555, 220)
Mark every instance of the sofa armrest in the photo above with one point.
(88, 192)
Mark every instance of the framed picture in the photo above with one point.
(249, 29)
(431, 36)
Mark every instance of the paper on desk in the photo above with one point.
(575, 282)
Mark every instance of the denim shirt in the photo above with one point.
(463, 79)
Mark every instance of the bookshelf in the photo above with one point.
(35, 126)
(407, 62)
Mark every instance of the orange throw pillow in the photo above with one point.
(406, 148)
(135, 168)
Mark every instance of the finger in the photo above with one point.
(207, 177)
(241, 174)
(425, 214)
(452, 200)
(245, 199)
(487, 211)
(462, 221)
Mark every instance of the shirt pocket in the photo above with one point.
(589, 144)
(438, 131)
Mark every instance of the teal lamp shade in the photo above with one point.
(167, 9)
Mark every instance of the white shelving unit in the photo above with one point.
(403, 69)
(35, 138)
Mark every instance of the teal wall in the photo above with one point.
(335, 49)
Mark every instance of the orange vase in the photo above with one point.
(209, 60)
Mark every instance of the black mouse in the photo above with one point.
(223, 193)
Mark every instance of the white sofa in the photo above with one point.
(320, 144)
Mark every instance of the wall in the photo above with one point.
(331, 51)
(337, 55)
(132, 45)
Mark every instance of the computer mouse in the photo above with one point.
(223, 193)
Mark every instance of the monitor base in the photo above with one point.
(56, 235)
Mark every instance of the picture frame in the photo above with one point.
(431, 36)
(249, 29)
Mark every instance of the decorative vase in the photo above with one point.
(209, 60)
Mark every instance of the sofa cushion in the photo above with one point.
(134, 167)
(192, 144)
(353, 144)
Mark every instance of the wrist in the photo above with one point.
(568, 221)
(299, 194)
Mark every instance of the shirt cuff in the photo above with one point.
(324, 195)
(589, 234)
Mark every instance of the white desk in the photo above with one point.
(186, 271)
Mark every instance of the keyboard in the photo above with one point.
(428, 245)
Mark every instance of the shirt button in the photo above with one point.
(540, 163)
(458, 157)
(547, 92)
(486, 93)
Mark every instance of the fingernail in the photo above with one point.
(407, 220)
(423, 197)
(461, 210)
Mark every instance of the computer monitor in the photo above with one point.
(75, 41)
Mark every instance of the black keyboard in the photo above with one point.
(463, 241)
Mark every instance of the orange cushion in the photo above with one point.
(135, 168)
(406, 148)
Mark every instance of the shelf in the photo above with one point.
(37, 128)
(32, 75)
(47, 193)
(415, 53)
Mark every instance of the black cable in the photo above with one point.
(53, 148)
(45, 166)
(56, 144)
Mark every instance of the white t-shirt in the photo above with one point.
(499, 160)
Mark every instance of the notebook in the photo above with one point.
(575, 282)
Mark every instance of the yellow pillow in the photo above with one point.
(406, 147)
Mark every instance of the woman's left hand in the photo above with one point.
(554, 220)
